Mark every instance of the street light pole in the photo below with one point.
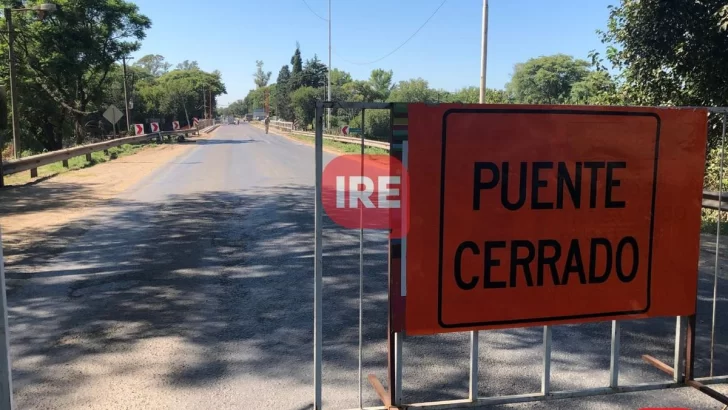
(484, 53)
(13, 85)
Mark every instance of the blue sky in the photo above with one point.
(229, 35)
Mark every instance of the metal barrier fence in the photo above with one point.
(288, 127)
(683, 373)
(33, 162)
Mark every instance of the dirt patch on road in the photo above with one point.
(29, 212)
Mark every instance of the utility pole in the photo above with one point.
(204, 102)
(126, 96)
(484, 53)
(211, 116)
(13, 84)
(328, 98)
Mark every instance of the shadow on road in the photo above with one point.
(18, 200)
(229, 275)
(224, 142)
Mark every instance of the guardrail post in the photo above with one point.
(34, 172)
(89, 158)
(65, 163)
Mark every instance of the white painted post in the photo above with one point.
(614, 356)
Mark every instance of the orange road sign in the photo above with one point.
(536, 215)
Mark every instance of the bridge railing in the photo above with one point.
(34, 161)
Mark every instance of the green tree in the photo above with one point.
(471, 95)
(235, 109)
(381, 82)
(304, 104)
(260, 77)
(596, 88)
(154, 64)
(296, 69)
(188, 65)
(670, 52)
(339, 78)
(178, 94)
(546, 79)
(71, 56)
(315, 73)
(283, 94)
(377, 124)
(415, 90)
(359, 90)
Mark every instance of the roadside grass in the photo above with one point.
(710, 227)
(342, 147)
(80, 162)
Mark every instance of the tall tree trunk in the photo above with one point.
(79, 129)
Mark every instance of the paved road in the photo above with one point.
(194, 290)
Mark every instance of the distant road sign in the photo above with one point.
(113, 114)
(354, 130)
(155, 127)
(175, 125)
(345, 130)
(539, 215)
(139, 129)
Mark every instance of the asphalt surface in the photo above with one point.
(194, 290)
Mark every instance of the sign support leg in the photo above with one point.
(614, 356)
(473, 390)
(318, 260)
(546, 376)
(679, 362)
(398, 340)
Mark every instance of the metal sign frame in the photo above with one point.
(685, 326)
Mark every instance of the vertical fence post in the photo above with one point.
(398, 336)
(546, 376)
(679, 361)
(614, 355)
(318, 260)
(361, 269)
(716, 267)
(690, 349)
(6, 378)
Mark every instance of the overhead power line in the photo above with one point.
(314, 13)
(399, 46)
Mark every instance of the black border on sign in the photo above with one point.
(542, 111)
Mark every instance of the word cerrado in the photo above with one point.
(547, 261)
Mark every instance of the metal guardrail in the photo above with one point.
(711, 200)
(33, 162)
(288, 127)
